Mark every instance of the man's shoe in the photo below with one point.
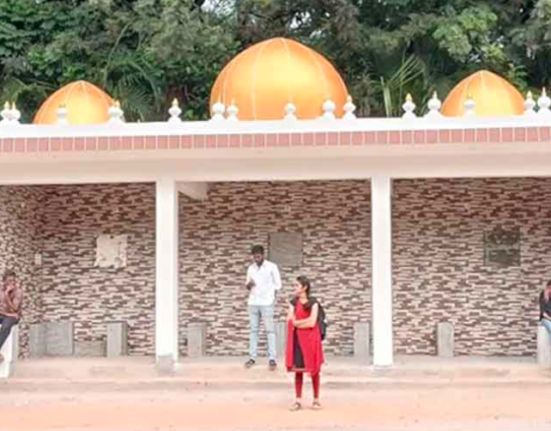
(272, 365)
(249, 363)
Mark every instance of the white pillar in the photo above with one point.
(166, 287)
(10, 351)
(381, 257)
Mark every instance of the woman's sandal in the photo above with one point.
(316, 405)
(296, 407)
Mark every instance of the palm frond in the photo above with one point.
(410, 77)
(138, 104)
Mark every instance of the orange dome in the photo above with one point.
(85, 103)
(493, 96)
(264, 78)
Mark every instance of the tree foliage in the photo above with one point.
(146, 52)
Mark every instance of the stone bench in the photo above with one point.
(544, 347)
(10, 351)
(196, 340)
(445, 339)
(52, 339)
(58, 339)
(361, 341)
(281, 338)
(117, 339)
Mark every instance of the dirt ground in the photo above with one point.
(378, 407)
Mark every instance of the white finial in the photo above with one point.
(233, 110)
(328, 110)
(15, 114)
(409, 108)
(544, 102)
(290, 111)
(529, 105)
(116, 114)
(175, 112)
(469, 107)
(62, 114)
(6, 114)
(349, 109)
(434, 107)
(218, 111)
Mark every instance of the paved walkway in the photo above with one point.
(338, 372)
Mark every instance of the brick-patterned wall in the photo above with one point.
(439, 271)
(72, 288)
(216, 235)
(19, 242)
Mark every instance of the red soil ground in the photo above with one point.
(67, 407)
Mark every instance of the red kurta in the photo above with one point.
(309, 340)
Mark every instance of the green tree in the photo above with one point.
(375, 42)
(143, 52)
(147, 52)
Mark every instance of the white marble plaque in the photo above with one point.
(111, 251)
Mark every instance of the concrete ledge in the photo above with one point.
(10, 351)
(196, 340)
(361, 341)
(544, 347)
(229, 372)
(52, 339)
(165, 365)
(445, 339)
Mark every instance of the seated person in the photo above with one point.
(545, 307)
(11, 298)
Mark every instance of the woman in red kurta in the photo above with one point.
(304, 349)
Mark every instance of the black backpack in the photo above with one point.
(322, 319)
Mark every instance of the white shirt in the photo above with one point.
(266, 281)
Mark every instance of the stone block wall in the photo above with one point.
(439, 270)
(438, 267)
(73, 288)
(20, 240)
(216, 235)
(215, 238)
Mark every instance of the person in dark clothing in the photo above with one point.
(545, 307)
(11, 299)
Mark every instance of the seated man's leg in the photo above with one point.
(7, 323)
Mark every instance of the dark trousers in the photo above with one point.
(7, 323)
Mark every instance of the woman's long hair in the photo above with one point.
(305, 282)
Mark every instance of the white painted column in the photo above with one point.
(166, 288)
(381, 246)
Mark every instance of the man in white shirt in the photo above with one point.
(263, 280)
